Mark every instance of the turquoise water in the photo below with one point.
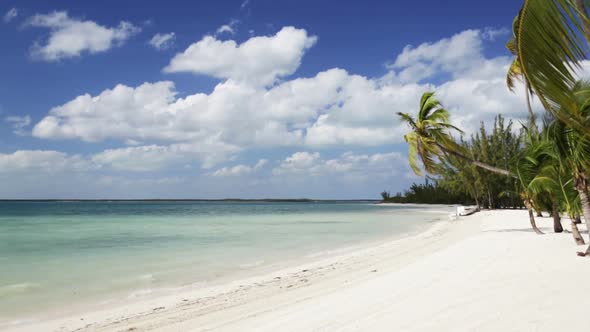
(53, 253)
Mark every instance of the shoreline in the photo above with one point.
(92, 313)
(487, 271)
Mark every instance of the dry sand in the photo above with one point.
(486, 272)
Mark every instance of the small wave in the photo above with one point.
(251, 265)
(18, 288)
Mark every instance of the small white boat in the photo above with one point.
(467, 210)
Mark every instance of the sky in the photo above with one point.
(237, 99)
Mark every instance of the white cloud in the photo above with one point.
(39, 161)
(19, 124)
(229, 28)
(493, 33)
(257, 61)
(71, 37)
(245, 4)
(157, 157)
(348, 164)
(331, 109)
(162, 41)
(121, 112)
(460, 55)
(225, 28)
(10, 15)
(239, 170)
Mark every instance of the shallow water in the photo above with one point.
(53, 253)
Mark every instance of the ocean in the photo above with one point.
(56, 256)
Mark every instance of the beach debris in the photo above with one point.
(158, 308)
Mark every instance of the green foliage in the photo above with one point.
(430, 193)
(497, 147)
(460, 181)
(549, 46)
(429, 138)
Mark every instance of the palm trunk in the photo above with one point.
(532, 217)
(582, 187)
(576, 232)
(533, 223)
(557, 227)
(493, 169)
(477, 163)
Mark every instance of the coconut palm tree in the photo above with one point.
(528, 165)
(549, 47)
(554, 177)
(430, 138)
(573, 146)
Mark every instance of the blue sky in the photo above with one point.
(259, 98)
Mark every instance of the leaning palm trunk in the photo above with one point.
(576, 232)
(479, 164)
(529, 207)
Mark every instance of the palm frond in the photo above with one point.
(549, 48)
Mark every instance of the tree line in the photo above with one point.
(543, 168)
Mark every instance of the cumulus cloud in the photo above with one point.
(331, 109)
(70, 37)
(461, 56)
(157, 157)
(239, 170)
(162, 41)
(19, 124)
(349, 164)
(258, 61)
(11, 14)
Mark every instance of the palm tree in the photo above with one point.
(430, 139)
(573, 146)
(549, 47)
(528, 165)
(554, 177)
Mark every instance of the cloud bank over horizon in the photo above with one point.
(302, 127)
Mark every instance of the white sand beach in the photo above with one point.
(485, 272)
